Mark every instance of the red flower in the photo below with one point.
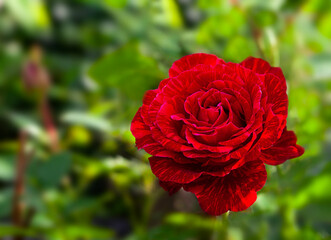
(212, 125)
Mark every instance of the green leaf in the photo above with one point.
(7, 168)
(49, 173)
(315, 191)
(27, 124)
(116, 3)
(321, 66)
(172, 13)
(6, 198)
(8, 231)
(30, 14)
(263, 17)
(82, 232)
(127, 70)
(324, 25)
(271, 5)
(86, 120)
(191, 221)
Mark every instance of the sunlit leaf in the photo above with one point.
(314, 191)
(7, 167)
(172, 13)
(86, 120)
(27, 124)
(321, 66)
(30, 14)
(128, 70)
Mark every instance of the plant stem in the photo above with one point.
(22, 159)
(48, 122)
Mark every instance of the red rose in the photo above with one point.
(212, 125)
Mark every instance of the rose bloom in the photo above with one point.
(211, 126)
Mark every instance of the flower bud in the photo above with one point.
(35, 76)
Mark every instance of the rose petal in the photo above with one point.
(203, 146)
(170, 187)
(256, 64)
(168, 170)
(285, 148)
(148, 98)
(277, 98)
(145, 140)
(138, 127)
(183, 85)
(233, 192)
(190, 61)
(270, 130)
(169, 127)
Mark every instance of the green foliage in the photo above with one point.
(48, 173)
(86, 120)
(7, 166)
(102, 56)
(127, 70)
(32, 15)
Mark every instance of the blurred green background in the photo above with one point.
(72, 75)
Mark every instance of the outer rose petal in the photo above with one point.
(235, 191)
(138, 127)
(169, 170)
(257, 65)
(144, 139)
(285, 148)
(170, 187)
(263, 67)
(190, 61)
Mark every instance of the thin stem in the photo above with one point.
(46, 115)
(22, 159)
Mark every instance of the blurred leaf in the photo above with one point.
(127, 70)
(9, 231)
(25, 123)
(191, 221)
(263, 17)
(6, 199)
(7, 168)
(324, 25)
(238, 49)
(42, 220)
(321, 66)
(172, 13)
(86, 120)
(73, 232)
(49, 173)
(310, 234)
(266, 203)
(166, 232)
(124, 172)
(223, 25)
(272, 5)
(116, 3)
(314, 191)
(30, 14)
(79, 136)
